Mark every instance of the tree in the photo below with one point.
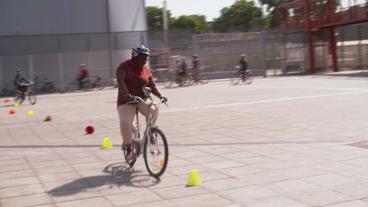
(241, 16)
(155, 18)
(194, 23)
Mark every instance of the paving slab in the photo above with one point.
(296, 141)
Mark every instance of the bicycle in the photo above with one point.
(97, 83)
(239, 76)
(19, 97)
(43, 86)
(156, 146)
(8, 89)
(199, 79)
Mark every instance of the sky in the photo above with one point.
(209, 8)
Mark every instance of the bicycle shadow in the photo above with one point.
(119, 174)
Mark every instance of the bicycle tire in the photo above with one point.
(32, 98)
(17, 98)
(235, 80)
(148, 151)
(248, 79)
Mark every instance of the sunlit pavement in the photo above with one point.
(279, 142)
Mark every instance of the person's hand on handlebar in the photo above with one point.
(163, 99)
(134, 99)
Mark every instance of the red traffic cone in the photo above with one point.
(12, 111)
(89, 130)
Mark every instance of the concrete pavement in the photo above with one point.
(279, 142)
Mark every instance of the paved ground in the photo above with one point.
(280, 142)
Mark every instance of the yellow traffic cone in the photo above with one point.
(106, 144)
(30, 113)
(194, 179)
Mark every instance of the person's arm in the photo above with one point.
(121, 76)
(153, 87)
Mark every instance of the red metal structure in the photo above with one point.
(316, 15)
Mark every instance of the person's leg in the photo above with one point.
(126, 117)
(145, 109)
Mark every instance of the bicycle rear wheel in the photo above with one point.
(156, 153)
(248, 79)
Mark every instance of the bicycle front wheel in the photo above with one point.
(32, 98)
(235, 80)
(156, 153)
(18, 98)
(248, 79)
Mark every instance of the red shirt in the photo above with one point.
(135, 79)
(83, 72)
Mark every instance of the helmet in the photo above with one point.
(140, 49)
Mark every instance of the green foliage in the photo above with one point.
(194, 23)
(241, 16)
(155, 18)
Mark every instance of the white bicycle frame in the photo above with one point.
(149, 126)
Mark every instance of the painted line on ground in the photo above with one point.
(263, 101)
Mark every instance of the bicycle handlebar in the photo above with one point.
(138, 99)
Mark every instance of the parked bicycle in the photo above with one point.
(8, 89)
(29, 94)
(241, 76)
(95, 82)
(43, 86)
(187, 80)
(152, 144)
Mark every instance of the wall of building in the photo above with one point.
(50, 38)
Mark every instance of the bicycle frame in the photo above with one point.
(139, 139)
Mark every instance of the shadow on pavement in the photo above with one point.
(118, 174)
(352, 74)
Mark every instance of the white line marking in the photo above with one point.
(263, 101)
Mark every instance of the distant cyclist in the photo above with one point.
(196, 68)
(243, 64)
(82, 76)
(133, 77)
(21, 83)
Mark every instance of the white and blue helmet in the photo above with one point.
(140, 49)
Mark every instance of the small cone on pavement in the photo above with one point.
(89, 130)
(17, 104)
(194, 179)
(30, 113)
(106, 143)
(12, 111)
(47, 119)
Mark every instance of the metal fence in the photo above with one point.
(57, 57)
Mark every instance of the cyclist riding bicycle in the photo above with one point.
(82, 76)
(243, 66)
(133, 77)
(196, 68)
(21, 83)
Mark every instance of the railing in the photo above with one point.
(354, 14)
